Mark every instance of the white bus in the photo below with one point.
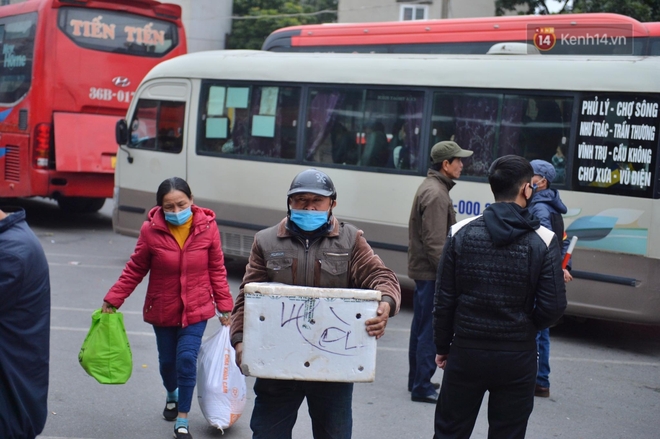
(239, 125)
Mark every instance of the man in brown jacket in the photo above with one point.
(311, 248)
(431, 216)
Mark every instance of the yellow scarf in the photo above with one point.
(181, 232)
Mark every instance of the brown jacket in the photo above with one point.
(431, 217)
(342, 258)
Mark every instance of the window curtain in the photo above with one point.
(321, 116)
(512, 113)
(413, 118)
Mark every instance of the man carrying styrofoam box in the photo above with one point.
(310, 248)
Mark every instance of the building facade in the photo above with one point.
(207, 22)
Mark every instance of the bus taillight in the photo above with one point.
(41, 145)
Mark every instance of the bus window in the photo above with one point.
(158, 125)
(654, 47)
(250, 121)
(339, 49)
(170, 126)
(469, 119)
(536, 127)
(493, 125)
(117, 32)
(373, 128)
(17, 41)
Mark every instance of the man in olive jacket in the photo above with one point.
(311, 248)
(431, 216)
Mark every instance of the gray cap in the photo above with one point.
(447, 150)
(544, 169)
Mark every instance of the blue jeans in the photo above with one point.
(421, 350)
(177, 355)
(543, 347)
(277, 403)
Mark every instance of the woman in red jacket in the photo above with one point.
(180, 245)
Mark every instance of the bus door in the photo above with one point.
(156, 132)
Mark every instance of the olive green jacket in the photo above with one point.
(431, 217)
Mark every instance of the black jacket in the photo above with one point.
(499, 282)
(24, 330)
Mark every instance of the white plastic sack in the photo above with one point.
(221, 390)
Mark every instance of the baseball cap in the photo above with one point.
(446, 150)
(544, 169)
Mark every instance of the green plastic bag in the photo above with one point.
(106, 354)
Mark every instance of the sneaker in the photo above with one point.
(182, 433)
(171, 411)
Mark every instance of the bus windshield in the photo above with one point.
(17, 40)
(117, 32)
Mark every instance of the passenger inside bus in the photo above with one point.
(400, 156)
(376, 147)
(344, 149)
(559, 163)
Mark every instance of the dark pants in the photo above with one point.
(421, 350)
(277, 403)
(509, 377)
(177, 356)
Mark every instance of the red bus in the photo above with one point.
(573, 34)
(68, 71)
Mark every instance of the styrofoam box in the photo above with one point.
(306, 333)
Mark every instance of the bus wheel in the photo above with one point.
(80, 204)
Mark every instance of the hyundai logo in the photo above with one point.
(120, 81)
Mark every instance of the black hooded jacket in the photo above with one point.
(24, 329)
(499, 282)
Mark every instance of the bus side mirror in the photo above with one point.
(121, 136)
(121, 132)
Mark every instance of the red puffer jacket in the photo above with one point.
(185, 285)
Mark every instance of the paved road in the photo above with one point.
(605, 376)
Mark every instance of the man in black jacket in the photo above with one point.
(499, 281)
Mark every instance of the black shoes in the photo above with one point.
(433, 398)
(171, 411)
(436, 386)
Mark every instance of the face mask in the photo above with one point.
(527, 200)
(309, 220)
(178, 218)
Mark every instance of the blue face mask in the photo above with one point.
(178, 218)
(309, 220)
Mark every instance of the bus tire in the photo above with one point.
(80, 204)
